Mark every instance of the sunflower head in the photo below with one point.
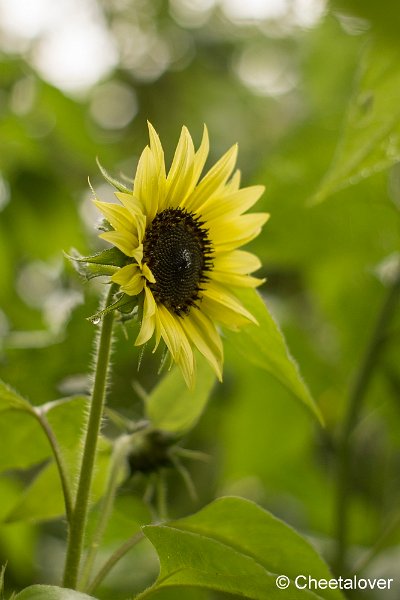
(178, 237)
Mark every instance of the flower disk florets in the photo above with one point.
(178, 252)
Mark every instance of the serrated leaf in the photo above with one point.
(172, 407)
(264, 345)
(12, 400)
(370, 140)
(233, 545)
(51, 592)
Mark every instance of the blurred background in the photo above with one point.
(78, 80)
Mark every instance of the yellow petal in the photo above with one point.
(138, 254)
(149, 303)
(158, 154)
(146, 183)
(230, 234)
(177, 343)
(180, 174)
(146, 330)
(130, 279)
(124, 274)
(200, 157)
(147, 273)
(131, 202)
(126, 242)
(219, 313)
(170, 331)
(118, 216)
(213, 181)
(234, 184)
(205, 337)
(158, 328)
(186, 360)
(148, 320)
(157, 149)
(234, 280)
(141, 227)
(230, 205)
(134, 287)
(219, 295)
(237, 261)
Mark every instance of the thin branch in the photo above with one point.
(114, 558)
(62, 471)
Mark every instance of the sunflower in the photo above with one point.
(180, 234)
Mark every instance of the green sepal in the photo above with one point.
(110, 256)
(125, 304)
(90, 271)
(102, 263)
(121, 187)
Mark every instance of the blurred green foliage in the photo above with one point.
(286, 92)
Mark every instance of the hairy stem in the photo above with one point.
(356, 398)
(79, 514)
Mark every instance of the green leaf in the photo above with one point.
(10, 399)
(172, 407)
(234, 546)
(67, 418)
(51, 592)
(26, 445)
(265, 346)
(43, 499)
(23, 443)
(370, 141)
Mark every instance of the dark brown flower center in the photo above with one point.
(178, 251)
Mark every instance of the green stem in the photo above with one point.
(119, 453)
(62, 472)
(114, 558)
(357, 394)
(79, 515)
